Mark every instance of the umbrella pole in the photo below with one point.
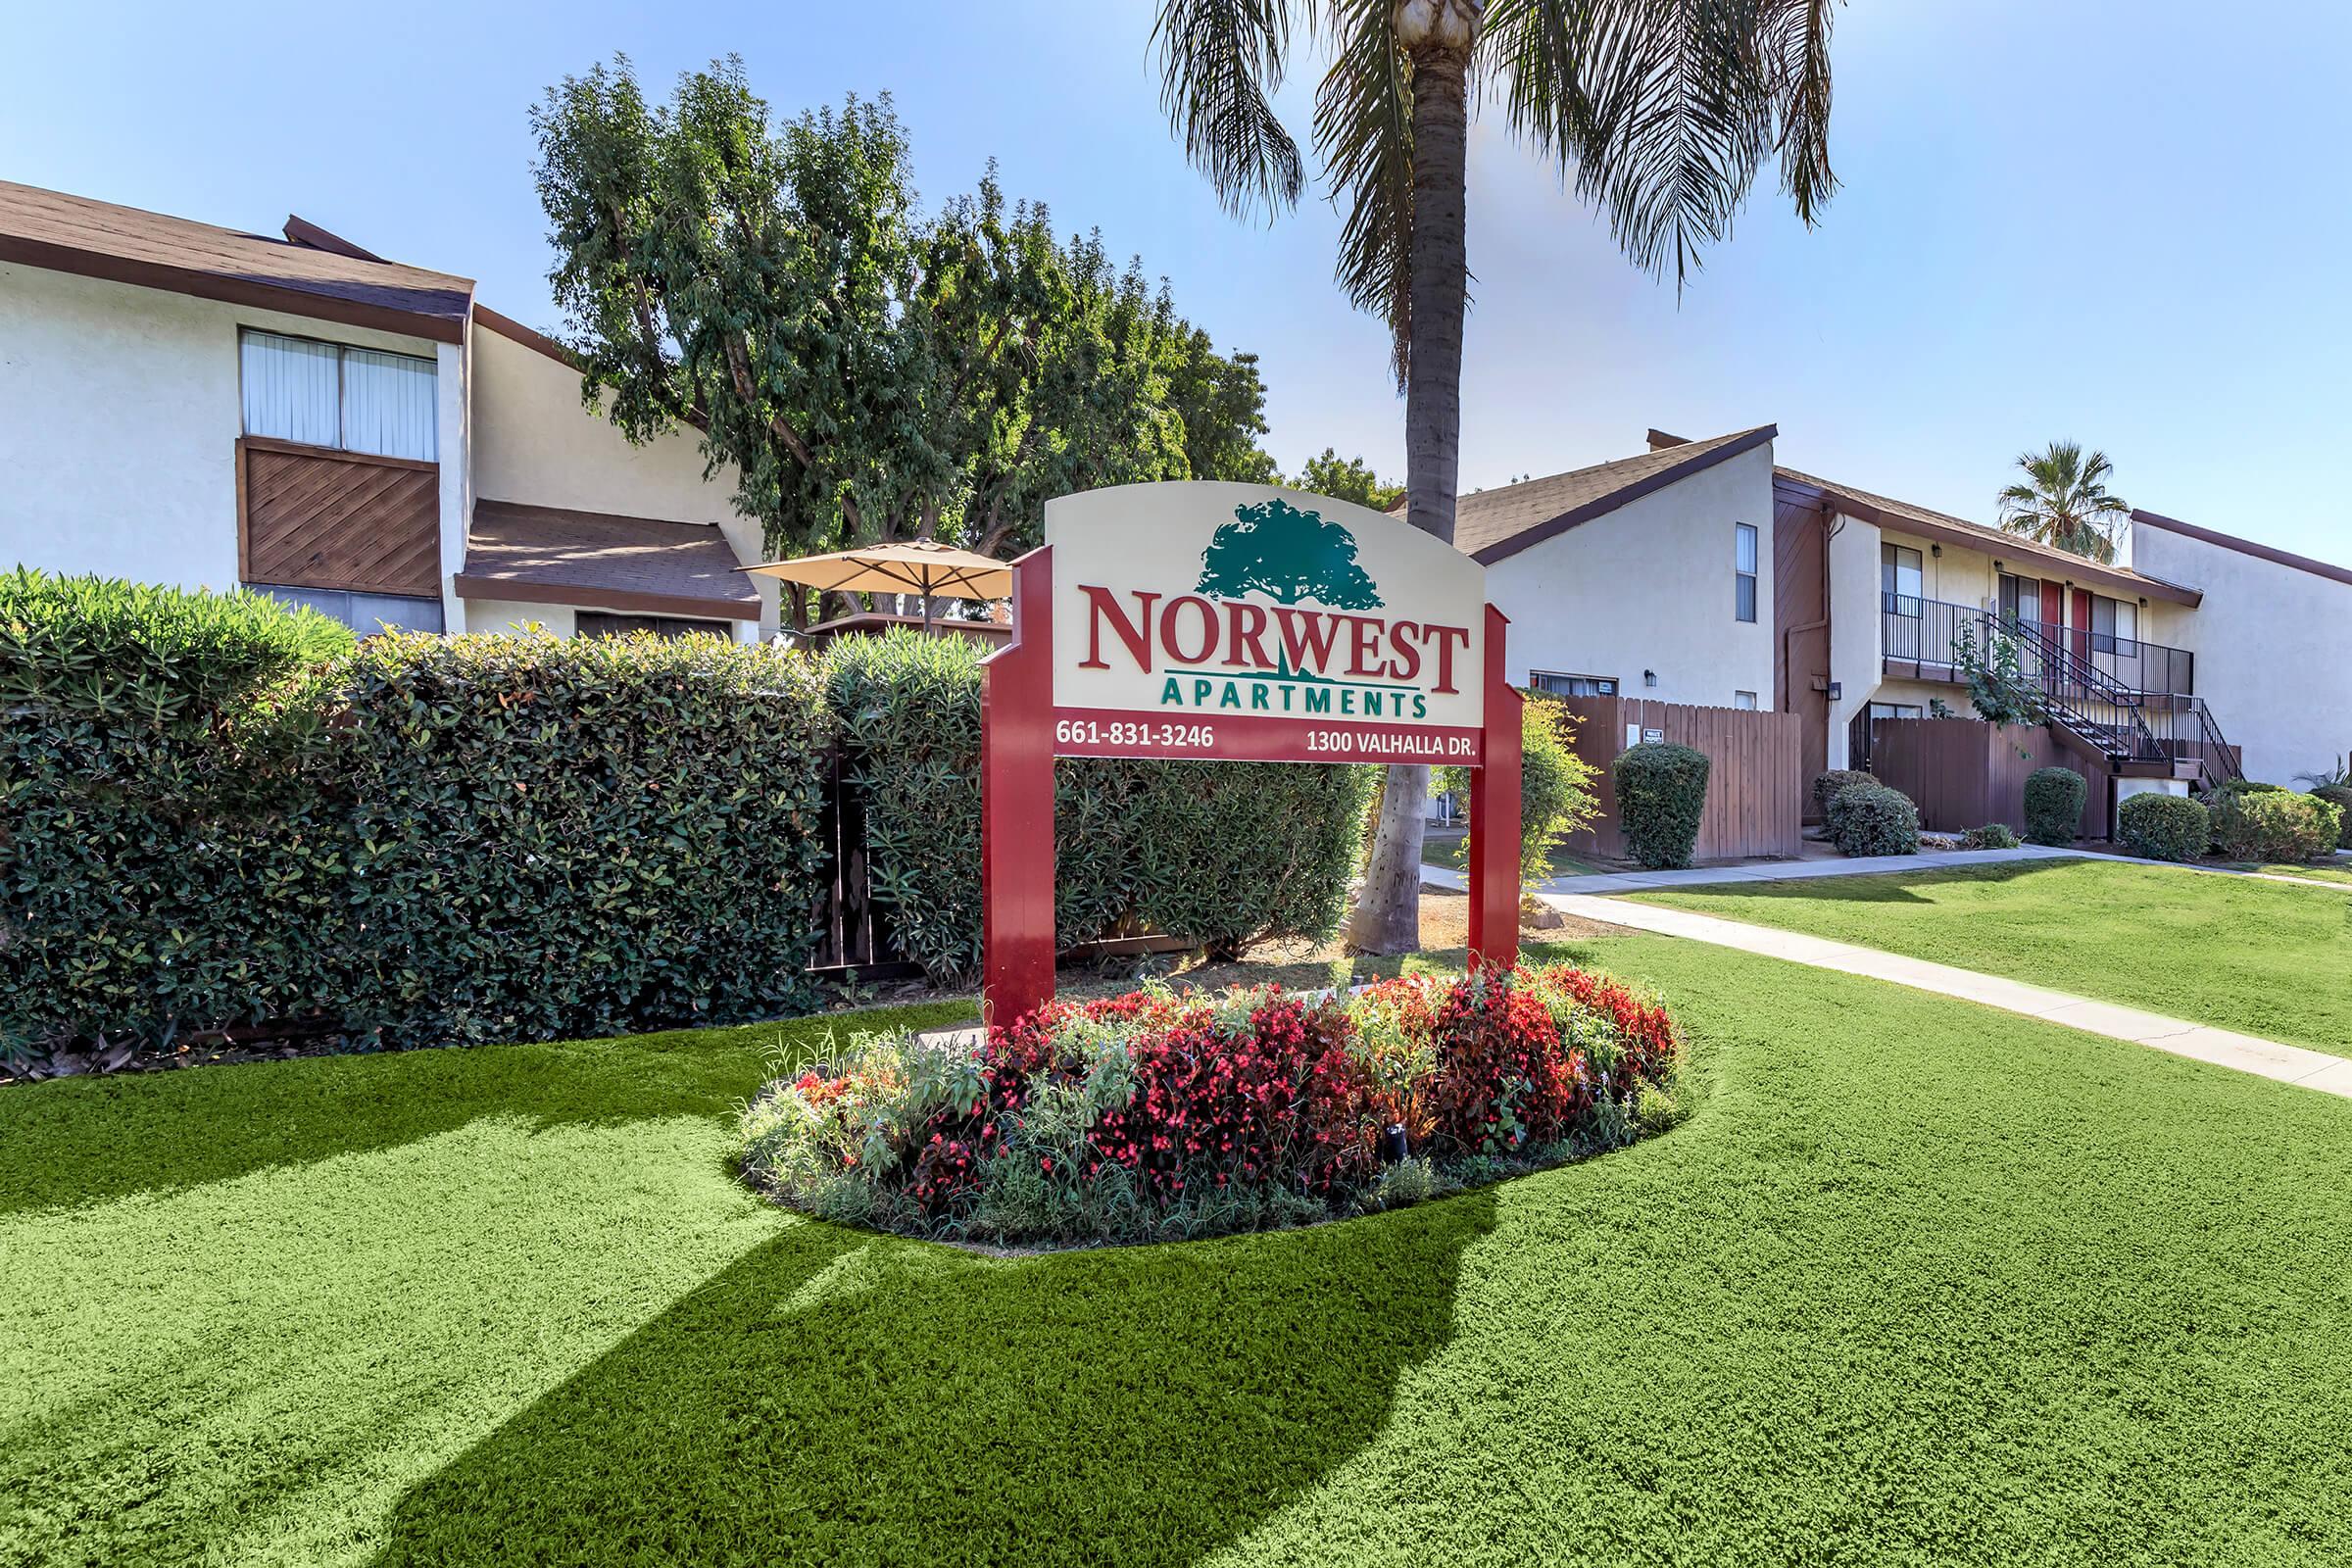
(926, 604)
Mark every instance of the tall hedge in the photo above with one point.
(1219, 853)
(168, 851)
(594, 835)
(219, 813)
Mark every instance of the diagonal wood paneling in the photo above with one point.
(319, 520)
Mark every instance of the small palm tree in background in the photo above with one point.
(1662, 110)
(2063, 501)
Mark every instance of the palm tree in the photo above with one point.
(2063, 501)
(1662, 110)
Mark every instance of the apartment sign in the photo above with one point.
(1252, 624)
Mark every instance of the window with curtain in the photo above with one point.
(328, 395)
(1743, 571)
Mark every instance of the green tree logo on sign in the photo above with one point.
(1288, 555)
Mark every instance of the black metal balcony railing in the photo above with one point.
(2131, 699)
(1925, 631)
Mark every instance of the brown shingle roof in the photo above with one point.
(2010, 546)
(1490, 524)
(64, 233)
(546, 555)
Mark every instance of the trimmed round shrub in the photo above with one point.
(1991, 836)
(2275, 824)
(2339, 796)
(1873, 820)
(1827, 786)
(1662, 795)
(1161, 1116)
(2164, 827)
(2054, 800)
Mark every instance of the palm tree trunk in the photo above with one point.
(1388, 910)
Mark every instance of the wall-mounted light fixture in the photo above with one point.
(1937, 551)
(1650, 677)
(1836, 690)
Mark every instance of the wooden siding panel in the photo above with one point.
(1800, 616)
(338, 520)
(1755, 777)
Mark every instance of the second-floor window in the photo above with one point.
(1744, 570)
(328, 395)
(1901, 579)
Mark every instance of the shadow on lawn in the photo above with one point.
(838, 1397)
(91, 1140)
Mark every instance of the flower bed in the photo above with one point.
(1163, 1114)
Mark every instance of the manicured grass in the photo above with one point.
(2261, 957)
(1919, 1283)
(2325, 871)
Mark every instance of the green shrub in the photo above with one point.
(1827, 786)
(2054, 800)
(1873, 820)
(2164, 827)
(2339, 796)
(1661, 794)
(1991, 836)
(159, 790)
(220, 815)
(1556, 786)
(1220, 853)
(2274, 826)
(557, 838)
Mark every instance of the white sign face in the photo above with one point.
(1252, 622)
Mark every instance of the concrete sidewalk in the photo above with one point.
(1607, 882)
(2265, 1059)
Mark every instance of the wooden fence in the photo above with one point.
(1755, 776)
(1964, 772)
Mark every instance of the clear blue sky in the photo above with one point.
(2125, 222)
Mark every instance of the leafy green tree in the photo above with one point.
(1288, 555)
(1996, 683)
(1222, 401)
(1661, 110)
(872, 373)
(1348, 479)
(2062, 501)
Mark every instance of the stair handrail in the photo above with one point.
(2060, 661)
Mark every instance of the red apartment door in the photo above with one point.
(2053, 617)
(2081, 626)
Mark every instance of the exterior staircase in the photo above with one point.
(2131, 734)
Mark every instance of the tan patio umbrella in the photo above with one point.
(907, 567)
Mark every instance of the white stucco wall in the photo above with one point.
(535, 444)
(1854, 658)
(511, 617)
(120, 412)
(2273, 647)
(1649, 587)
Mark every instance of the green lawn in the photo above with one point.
(1919, 1283)
(2326, 871)
(2261, 957)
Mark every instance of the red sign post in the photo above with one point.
(1263, 645)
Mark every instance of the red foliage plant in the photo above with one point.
(1186, 1097)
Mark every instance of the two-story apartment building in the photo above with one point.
(204, 407)
(1703, 572)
